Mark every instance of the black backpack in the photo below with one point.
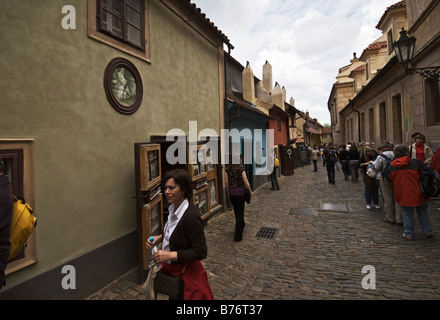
(429, 182)
(331, 156)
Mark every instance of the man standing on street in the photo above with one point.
(393, 210)
(6, 206)
(405, 174)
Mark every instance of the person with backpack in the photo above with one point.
(393, 211)
(405, 175)
(330, 158)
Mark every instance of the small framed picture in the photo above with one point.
(123, 86)
(201, 200)
(152, 224)
(212, 186)
(197, 163)
(149, 166)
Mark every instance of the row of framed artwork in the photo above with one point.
(151, 166)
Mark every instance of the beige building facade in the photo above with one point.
(386, 103)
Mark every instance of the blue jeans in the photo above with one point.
(408, 219)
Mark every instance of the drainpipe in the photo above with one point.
(359, 119)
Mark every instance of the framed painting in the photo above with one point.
(149, 166)
(152, 224)
(197, 163)
(201, 200)
(123, 86)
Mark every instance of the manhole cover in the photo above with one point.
(266, 233)
(334, 207)
(303, 211)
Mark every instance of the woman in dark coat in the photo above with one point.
(183, 238)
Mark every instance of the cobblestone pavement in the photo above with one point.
(316, 253)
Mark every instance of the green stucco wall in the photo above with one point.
(52, 91)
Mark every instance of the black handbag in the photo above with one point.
(247, 196)
(169, 285)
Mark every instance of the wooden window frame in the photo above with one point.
(432, 101)
(125, 22)
(20, 153)
(94, 32)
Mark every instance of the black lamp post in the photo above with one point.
(404, 49)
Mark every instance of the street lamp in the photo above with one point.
(404, 49)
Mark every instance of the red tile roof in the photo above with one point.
(399, 4)
(360, 68)
(202, 15)
(376, 45)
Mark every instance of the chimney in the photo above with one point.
(248, 84)
(267, 76)
(278, 96)
(292, 102)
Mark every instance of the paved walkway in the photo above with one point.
(315, 253)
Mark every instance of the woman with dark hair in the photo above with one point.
(236, 182)
(183, 238)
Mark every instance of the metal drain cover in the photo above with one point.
(303, 211)
(266, 233)
(334, 207)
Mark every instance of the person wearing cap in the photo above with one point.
(420, 150)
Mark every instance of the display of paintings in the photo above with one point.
(152, 220)
(149, 165)
(212, 186)
(201, 200)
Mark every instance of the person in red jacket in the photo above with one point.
(405, 175)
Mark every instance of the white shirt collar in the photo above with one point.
(180, 210)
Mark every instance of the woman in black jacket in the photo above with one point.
(183, 238)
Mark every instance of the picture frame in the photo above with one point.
(150, 166)
(151, 224)
(197, 170)
(201, 200)
(213, 192)
(123, 86)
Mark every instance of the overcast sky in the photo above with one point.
(306, 42)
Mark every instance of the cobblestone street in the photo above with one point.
(324, 237)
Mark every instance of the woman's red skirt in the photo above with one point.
(195, 279)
